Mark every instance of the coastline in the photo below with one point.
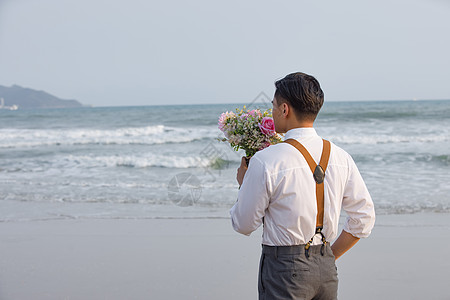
(404, 258)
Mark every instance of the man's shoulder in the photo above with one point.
(272, 154)
(336, 150)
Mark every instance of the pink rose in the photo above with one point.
(267, 126)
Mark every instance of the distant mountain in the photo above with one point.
(26, 98)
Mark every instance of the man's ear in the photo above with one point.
(285, 109)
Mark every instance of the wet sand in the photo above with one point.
(404, 258)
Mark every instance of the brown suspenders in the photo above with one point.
(319, 176)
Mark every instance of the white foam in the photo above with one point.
(159, 134)
(150, 160)
(387, 139)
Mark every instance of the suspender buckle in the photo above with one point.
(307, 249)
(319, 174)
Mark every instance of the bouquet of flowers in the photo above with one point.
(250, 130)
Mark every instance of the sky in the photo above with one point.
(141, 52)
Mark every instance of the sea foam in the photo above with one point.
(149, 135)
(134, 161)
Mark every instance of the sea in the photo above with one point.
(169, 162)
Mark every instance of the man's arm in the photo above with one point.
(344, 242)
(359, 207)
(241, 171)
(253, 198)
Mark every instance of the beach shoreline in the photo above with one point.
(404, 258)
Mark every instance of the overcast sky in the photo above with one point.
(140, 52)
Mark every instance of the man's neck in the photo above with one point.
(299, 125)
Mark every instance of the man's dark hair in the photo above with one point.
(302, 92)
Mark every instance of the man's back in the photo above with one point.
(281, 182)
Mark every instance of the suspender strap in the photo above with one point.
(320, 186)
(312, 164)
(319, 176)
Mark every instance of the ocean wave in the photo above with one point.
(387, 139)
(158, 134)
(440, 159)
(402, 209)
(85, 162)
(150, 160)
(96, 209)
(404, 157)
(369, 116)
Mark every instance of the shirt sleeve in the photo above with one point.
(358, 204)
(253, 199)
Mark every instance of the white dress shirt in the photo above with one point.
(280, 187)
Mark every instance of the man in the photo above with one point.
(298, 201)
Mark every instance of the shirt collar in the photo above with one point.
(296, 133)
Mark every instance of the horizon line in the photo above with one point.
(240, 103)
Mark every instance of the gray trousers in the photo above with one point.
(286, 273)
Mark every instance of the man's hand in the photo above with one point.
(343, 243)
(241, 171)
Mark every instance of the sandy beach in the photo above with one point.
(404, 258)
